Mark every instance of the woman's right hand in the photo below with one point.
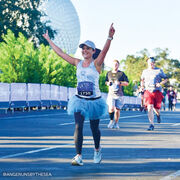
(46, 35)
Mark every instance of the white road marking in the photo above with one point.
(38, 150)
(125, 117)
(176, 124)
(28, 152)
(31, 116)
(171, 176)
(64, 124)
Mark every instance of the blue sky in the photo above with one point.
(139, 24)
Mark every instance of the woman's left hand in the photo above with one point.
(111, 31)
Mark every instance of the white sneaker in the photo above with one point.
(97, 156)
(77, 161)
(111, 124)
(116, 125)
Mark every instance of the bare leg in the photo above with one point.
(117, 115)
(150, 114)
(157, 111)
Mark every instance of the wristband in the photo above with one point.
(110, 38)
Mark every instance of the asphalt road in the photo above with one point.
(39, 145)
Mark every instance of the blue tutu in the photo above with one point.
(90, 109)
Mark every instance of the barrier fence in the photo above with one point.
(27, 95)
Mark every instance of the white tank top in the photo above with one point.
(87, 81)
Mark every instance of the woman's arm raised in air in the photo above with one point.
(100, 59)
(59, 51)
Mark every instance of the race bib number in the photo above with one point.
(85, 88)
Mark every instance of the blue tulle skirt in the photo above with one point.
(90, 109)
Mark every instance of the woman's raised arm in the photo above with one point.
(59, 51)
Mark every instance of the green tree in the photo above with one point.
(174, 65)
(169, 66)
(102, 79)
(67, 75)
(128, 90)
(134, 65)
(23, 16)
(55, 69)
(19, 60)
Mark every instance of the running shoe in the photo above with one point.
(151, 128)
(111, 124)
(77, 161)
(158, 119)
(116, 125)
(97, 156)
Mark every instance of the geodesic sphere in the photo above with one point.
(64, 19)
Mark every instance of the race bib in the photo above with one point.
(85, 88)
(115, 88)
(152, 87)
